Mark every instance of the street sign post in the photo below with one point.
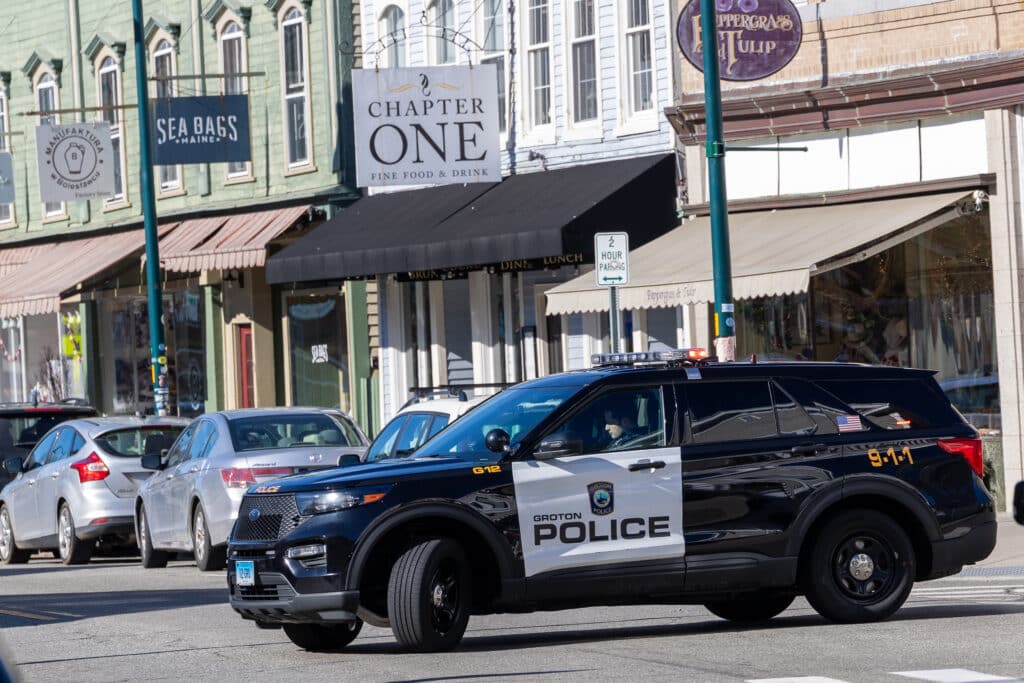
(611, 259)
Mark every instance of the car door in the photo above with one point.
(607, 515)
(22, 497)
(48, 483)
(159, 490)
(183, 485)
(751, 456)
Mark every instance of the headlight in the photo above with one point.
(319, 502)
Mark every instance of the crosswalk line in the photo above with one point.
(796, 679)
(951, 676)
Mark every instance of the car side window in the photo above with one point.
(792, 418)
(439, 423)
(179, 449)
(820, 406)
(197, 449)
(77, 444)
(413, 435)
(63, 447)
(730, 411)
(619, 420)
(37, 458)
(382, 445)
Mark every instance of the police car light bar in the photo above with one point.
(670, 356)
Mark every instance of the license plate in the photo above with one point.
(245, 573)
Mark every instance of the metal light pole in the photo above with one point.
(157, 348)
(725, 324)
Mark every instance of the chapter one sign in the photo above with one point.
(611, 258)
(426, 125)
(756, 38)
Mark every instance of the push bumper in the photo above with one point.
(274, 599)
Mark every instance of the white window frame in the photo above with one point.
(537, 132)
(441, 47)
(591, 126)
(106, 63)
(46, 80)
(169, 179)
(231, 28)
(501, 55)
(393, 46)
(7, 218)
(298, 18)
(635, 121)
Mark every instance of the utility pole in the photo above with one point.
(725, 323)
(157, 348)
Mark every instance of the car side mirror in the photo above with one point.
(1018, 502)
(13, 466)
(497, 440)
(557, 446)
(152, 461)
(348, 459)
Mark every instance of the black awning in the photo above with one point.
(526, 216)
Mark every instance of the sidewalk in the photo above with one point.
(1009, 550)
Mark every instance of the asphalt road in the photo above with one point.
(111, 620)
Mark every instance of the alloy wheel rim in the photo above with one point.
(5, 534)
(865, 568)
(444, 597)
(143, 536)
(199, 535)
(64, 537)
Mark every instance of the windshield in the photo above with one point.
(515, 410)
(288, 430)
(137, 441)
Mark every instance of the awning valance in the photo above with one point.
(219, 243)
(773, 252)
(532, 215)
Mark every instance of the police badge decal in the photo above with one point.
(602, 498)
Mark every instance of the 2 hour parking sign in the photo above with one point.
(611, 256)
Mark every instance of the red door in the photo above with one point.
(246, 390)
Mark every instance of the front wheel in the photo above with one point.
(860, 568)
(429, 595)
(209, 557)
(151, 557)
(321, 637)
(10, 553)
(72, 550)
(750, 609)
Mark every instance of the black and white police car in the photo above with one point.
(652, 478)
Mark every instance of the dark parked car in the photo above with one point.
(23, 424)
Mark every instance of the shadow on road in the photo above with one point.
(63, 607)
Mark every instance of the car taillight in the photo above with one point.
(91, 469)
(272, 471)
(237, 477)
(970, 449)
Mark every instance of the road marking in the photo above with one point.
(27, 615)
(951, 676)
(796, 679)
(63, 614)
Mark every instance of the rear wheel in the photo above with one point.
(72, 550)
(322, 637)
(429, 596)
(208, 557)
(10, 553)
(151, 557)
(860, 568)
(750, 609)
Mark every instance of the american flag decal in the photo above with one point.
(849, 423)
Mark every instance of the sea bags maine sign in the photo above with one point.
(426, 125)
(756, 38)
(200, 130)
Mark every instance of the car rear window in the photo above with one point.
(895, 403)
(136, 441)
(285, 431)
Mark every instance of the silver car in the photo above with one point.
(191, 502)
(78, 485)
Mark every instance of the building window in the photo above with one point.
(48, 100)
(443, 20)
(391, 28)
(539, 63)
(296, 91)
(6, 210)
(163, 68)
(232, 55)
(494, 50)
(639, 58)
(584, 62)
(110, 100)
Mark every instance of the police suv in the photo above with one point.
(652, 478)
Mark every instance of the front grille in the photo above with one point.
(270, 586)
(278, 516)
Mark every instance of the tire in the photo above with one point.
(71, 549)
(860, 568)
(151, 557)
(322, 637)
(209, 557)
(10, 553)
(429, 595)
(750, 609)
